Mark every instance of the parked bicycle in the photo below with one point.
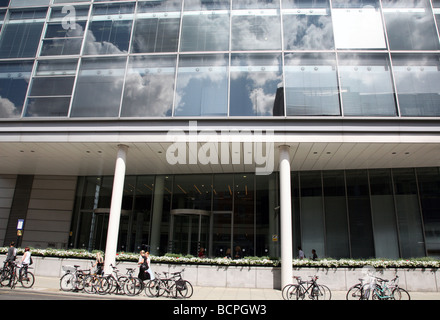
(13, 273)
(73, 279)
(132, 284)
(175, 286)
(306, 290)
(378, 289)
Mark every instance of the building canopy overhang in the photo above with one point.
(185, 146)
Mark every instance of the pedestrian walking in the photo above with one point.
(150, 273)
(143, 266)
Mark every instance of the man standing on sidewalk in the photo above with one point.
(12, 253)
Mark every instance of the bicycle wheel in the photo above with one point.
(88, 284)
(286, 289)
(79, 283)
(133, 286)
(290, 292)
(102, 285)
(28, 280)
(147, 285)
(5, 276)
(401, 294)
(355, 292)
(114, 285)
(321, 292)
(299, 294)
(67, 282)
(157, 288)
(183, 289)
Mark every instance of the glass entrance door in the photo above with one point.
(190, 231)
(221, 234)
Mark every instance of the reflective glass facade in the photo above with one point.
(222, 58)
(362, 76)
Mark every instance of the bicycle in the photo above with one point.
(132, 285)
(361, 290)
(310, 289)
(390, 291)
(5, 273)
(379, 288)
(94, 283)
(73, 279)
(111, 283)
(11, 278)
(173, 285)
(183, 287)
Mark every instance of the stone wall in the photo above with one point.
(337, 279)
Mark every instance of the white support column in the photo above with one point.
(285, 217)
(115, 209)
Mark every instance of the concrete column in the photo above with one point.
(115, 209)
(285, 217)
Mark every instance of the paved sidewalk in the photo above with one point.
(52, 285)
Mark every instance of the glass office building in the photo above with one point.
(350, 88)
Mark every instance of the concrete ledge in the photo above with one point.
(338, 279)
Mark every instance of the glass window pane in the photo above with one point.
(20, 40)
(355, 3)
(336, 224)
(366, 85)
(222, 192)
(4, 3)
(158, 32)
(57, 30)
(57, 67)
(56, 47)
(206, 4)
(311, 84)
(256, 30)
(69, 1)
(359, 210)
(429, 185)
(307, 25)
(192, 192)
(408, 214)
(202, 86)
(24, 3)
(418, 84)
(386, 241)
(159, 6)
(358, 28)
(255, 4)
(47, 107)
(205, 31)
(65, 13)
(108, 37)
(410, 25)
(312, 215)
(256, 85)
(52, 86)
(99, 87)
(149, 87)
(14, 80)
(244, 216)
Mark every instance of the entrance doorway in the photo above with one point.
(189, 231)
(192, 229)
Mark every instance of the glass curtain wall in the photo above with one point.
(383, 213)
(229, 58)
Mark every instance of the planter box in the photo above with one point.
(337, 279)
